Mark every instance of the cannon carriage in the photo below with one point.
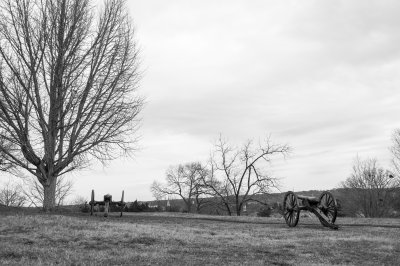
(324, 207)
(107, 203)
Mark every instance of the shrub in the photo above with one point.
(174, 208)
(138, 207)
(84, 207)
(265, 211)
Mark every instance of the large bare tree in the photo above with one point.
(68, 79)
(182, 181)
(237, 174)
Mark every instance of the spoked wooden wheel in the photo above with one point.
(122, 203)
(328, 206)
(291, 210)
(92, 203)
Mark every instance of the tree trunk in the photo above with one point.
(49, 194)
(238, 206)
(189, 205)
(228, 209)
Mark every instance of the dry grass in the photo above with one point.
(184, 239)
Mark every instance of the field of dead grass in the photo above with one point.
(186, 239)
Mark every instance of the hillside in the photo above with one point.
(344, 198)
(273, 200)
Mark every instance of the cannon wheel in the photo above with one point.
(291, 210)
(328, 206)
(92, 203)
(122, 203)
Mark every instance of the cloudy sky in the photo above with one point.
(321, 76)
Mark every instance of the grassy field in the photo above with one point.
(185, 239)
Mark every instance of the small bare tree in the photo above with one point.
(79, 200)
(238, 173)
(11, 195)
(67, 86)
(370, 188)
(396, 150)
(34, 191)
(182, 181)
(396, 163)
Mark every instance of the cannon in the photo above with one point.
(107, 203)
(324, 207)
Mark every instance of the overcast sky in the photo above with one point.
(321, 76)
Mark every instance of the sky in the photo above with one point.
(320, 76)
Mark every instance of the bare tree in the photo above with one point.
(237, 174)
(219, 190)
(34, 191)
(11, 195)
(182, 181)
(79, 200)
(370, 188)
(396, 150)
(67, 86)
(201, 195)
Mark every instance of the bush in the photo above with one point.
(155, 209)
(341, 212)
(265, 211)
(138, 207)
(84, 207)
(174, 208)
